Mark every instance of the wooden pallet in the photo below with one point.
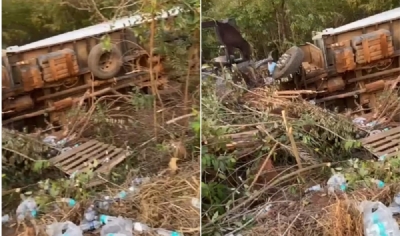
(386, 143)
(78, 159)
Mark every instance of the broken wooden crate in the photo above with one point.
(385, 144)
(81, 158)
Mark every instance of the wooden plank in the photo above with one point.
(62, 156)
(75, 159)
(82, 157)
(386, 146)
(76, 155)
(115, 161)
(383, 141)
(382, 135)
(113, 152)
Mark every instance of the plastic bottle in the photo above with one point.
(379, 183)
(116, 225)
(139, 227)
(104, 219)
(90, 214)
(378, 220)
(90, 225)
(70, 229)
(134, 188)
(71, 202)
(27, 207)
(164, 232)
(337, 182)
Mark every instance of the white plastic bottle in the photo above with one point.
(164, 232)
(27, 207)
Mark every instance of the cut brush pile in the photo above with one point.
(262, 149)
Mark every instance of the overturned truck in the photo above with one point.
(45, 78)
(353, 64)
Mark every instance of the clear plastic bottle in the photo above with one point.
(90, 214)
(379, 183)
(337, 182)
(27, 207)
(90, 225)
(104, 219)
(378, 220)
(117, 225)
(164, 232)
(71, 202)
(70, 229)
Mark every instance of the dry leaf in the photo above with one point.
(172, 164)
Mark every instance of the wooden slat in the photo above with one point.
(62, 156)
(90, 158)
(381, 135)
(385, 143)
(79, 160)
(77, 155)
(76, 159)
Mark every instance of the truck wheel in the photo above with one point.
(291, 65)
(105, 64)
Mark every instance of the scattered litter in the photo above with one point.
(196, 203)
(50, 140)
(395, 206)
(90, 226)
(376, 131)
(337, 182)
(360, 121)
(382, 158)
(116, 226)
(378, 219)
(56, 229)
(27, 208)
(5, 218)
(315, 188)
(133, 189)
(71, 202)
(378, 182)
(141, 228)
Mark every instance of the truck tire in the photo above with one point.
(292, 65)
(110, 68)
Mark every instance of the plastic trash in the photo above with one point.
(71, 202)
(5, 218)
(337, 182)
(360, 121)
(90, 214)
(51, 140)
(116, 226)
(71, 229)
(315, 188)
(395, 206)
(378, 182)
(133, 189)
(104, 219)
(378, 219)
(164, 232)
(139, 227)
(89, 226)
(27, 208)
(140, 181)
(196, 203)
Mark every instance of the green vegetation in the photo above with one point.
(251, 151)
(278, 24)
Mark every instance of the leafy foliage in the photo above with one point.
(278, 24)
